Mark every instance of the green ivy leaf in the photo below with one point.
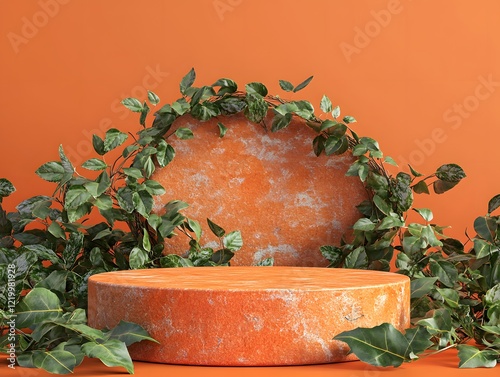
(325, 104)
(303, 84)
(187, 81)
(227, 86)
(138, 258)
(441, 187)
(486, 227)
(336, 112)
(413, 244)
(281, 121)
(389, 160)
(184, 133)
(76, 196)
(333, 254)
(421, 188)
(356, 259)
(450, 296)
(94, 164)
(154, 187)
(149, 167)
(222, 257)
(364, 224)
(382, 345)
(445, 271)
(133, 104)
(335, 145)
(216, 229)
(425, 213)
(56, 361)
(318, 145)
(37, 306)
(172, 261)
(129, 333)
(133, 172)
(153, 98)
(222, 129)
(349, 119)
(113, 353)
(98, 145)
(494, 203)
(256, 88)
(114, 138)
(52, 171)
(304, 110)
(482, 248)
(232, 105)
(233, 241)
(389, 222)
(266, 262)
(472, 357)
(104, 202)
(181, 106)
(143, 202)
(144, 114)
(43, 253)
(124, 198)
(450, 173)
(6, 188)
(422, 286)
(195, 227)
(418, 340)
(73, 248)
(256, 109)
(492, 296)
(439, 323)
(165, 153)
(452, 246)
(286, 85)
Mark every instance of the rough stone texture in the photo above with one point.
(286, 201)
(247, 315)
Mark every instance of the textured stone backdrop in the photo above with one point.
(286, 201)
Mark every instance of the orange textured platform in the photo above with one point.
(269, 185)
(253, 316)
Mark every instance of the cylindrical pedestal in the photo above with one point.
(247, 315)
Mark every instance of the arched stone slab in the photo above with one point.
(286, 201)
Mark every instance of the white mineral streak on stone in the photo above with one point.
(200, 180)
(218, 150)
(313, 337)
(182, 354)
(256, 322)
(338, 162)
(303, 199)
(158, 203)
(236, 181)
(271, 251)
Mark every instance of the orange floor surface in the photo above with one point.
(442, 365)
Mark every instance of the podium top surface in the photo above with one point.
(249, 278)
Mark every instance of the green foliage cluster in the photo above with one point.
(455, 294)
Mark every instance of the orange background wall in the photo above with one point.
(422, 77)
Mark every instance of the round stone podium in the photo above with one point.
(247, 316)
